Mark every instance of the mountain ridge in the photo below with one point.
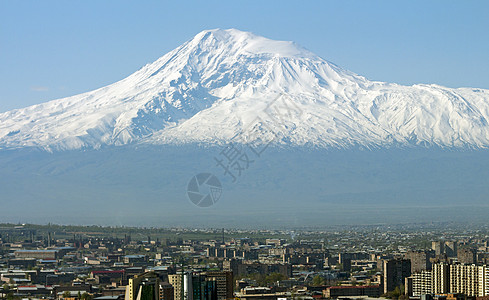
(211, 89)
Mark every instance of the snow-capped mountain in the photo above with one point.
(213, 87)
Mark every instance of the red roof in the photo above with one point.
(355, 287)
(108, 272)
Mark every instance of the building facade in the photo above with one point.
(440, 283)
(420, 283)
(420, 260)
(395, 272)
(143, 286)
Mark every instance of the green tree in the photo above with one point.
(396, 293)
(318, 280)
(274, 277)
(10, 296)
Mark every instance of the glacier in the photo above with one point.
(211, 88)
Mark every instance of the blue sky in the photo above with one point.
(53, 49)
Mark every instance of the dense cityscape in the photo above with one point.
(416, 261)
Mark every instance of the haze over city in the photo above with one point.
(253, 114)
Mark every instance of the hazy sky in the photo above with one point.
(53, 49)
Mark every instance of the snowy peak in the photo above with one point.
(213, 87)
(236, 42)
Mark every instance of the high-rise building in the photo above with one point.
(451, 248)
(469, 280)
(440, 278)
(438, 247)
(464, 279)
(224, 284)
(203, 289)
(419, 283)
(467, 256)
(420, 260)
(209, 286)
(345, 260)
(166, 291)
(144, 286)
(176, 281)
(395, 272)
(483, 281)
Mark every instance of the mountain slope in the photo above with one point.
(213, 87)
